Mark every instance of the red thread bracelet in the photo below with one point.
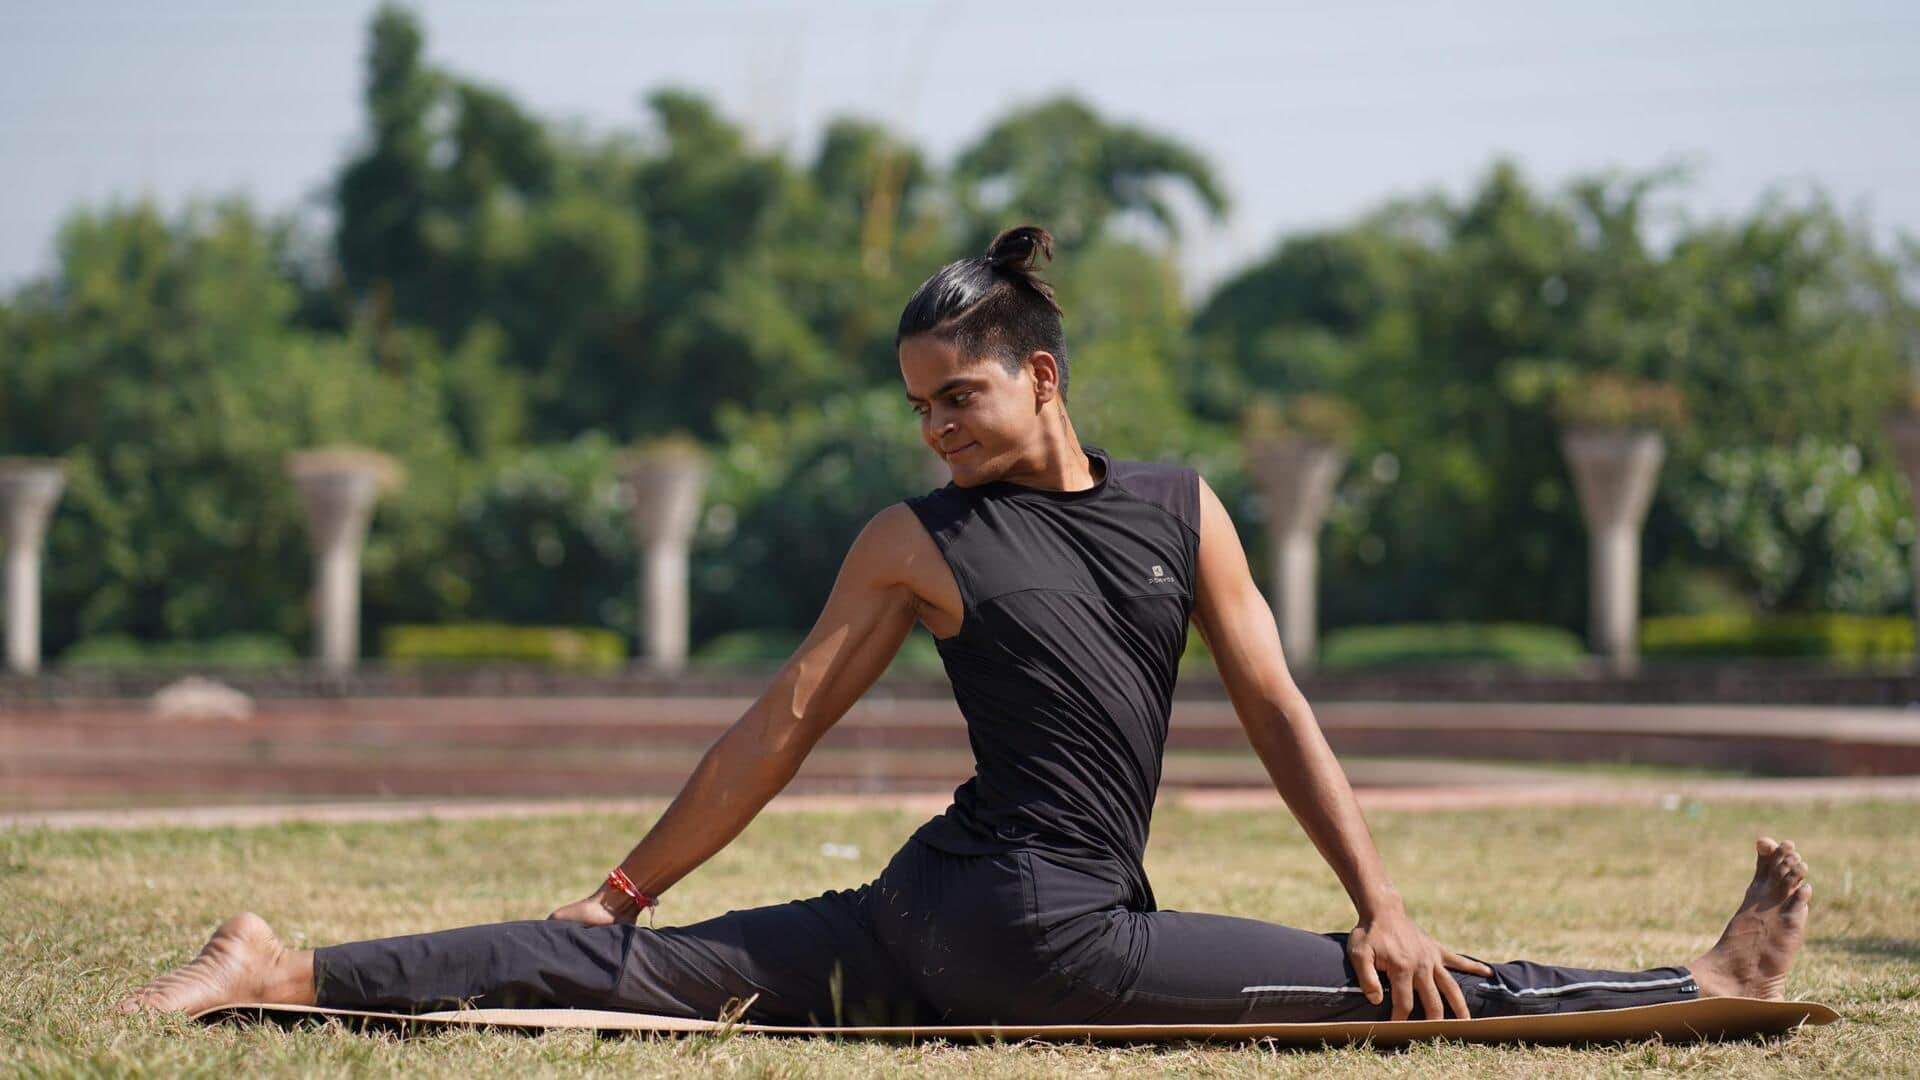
(619, 880)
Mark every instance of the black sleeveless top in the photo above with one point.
(1076, 607)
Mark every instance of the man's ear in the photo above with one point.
(1046, 376)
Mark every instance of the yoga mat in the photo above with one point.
(1674, 1021)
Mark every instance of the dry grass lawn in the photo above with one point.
(87, 915)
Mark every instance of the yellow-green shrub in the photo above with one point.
(1825, 636)
(471, 643)
(1432, 644)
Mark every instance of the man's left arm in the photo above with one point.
(1237, 625)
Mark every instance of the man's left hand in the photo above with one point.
(1414, 964)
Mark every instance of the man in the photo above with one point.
(1059, 583)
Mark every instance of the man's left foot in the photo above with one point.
(1762, 939)
(243, 961)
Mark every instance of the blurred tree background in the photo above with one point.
(504, 302)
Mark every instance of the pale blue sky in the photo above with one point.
(1311, 112)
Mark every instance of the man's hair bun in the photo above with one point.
(1018, 251)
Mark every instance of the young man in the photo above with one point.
(1059, 583)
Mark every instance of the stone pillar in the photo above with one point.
(1903, 430)
(1614, 474)
(1297, 478)
(29, 488)
(666, 484)
(339, 488)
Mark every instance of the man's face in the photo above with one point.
(974, 414)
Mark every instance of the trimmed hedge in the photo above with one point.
(469, 643)
(1529, 645)
(746, 649)
(1842, 638)
(124, 652)
(762, 650)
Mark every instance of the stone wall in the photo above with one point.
(1745, 683)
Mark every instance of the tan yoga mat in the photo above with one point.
(1675, 1021)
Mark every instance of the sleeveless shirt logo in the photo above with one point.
(1160, 576)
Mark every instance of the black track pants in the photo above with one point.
(939, 938)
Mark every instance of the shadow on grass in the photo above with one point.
(407, 1028)
(1879, 948)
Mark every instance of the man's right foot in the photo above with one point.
(1753, 955)
(243, 961)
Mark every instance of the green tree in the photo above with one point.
(787, 497)
(1124, 320)
(157, 362)
(385, 193)
(546, 539)
(1440, 320)
(1061, 164)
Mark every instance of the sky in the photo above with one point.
(1311, 113)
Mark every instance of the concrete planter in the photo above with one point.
(339, 488)
(1614, 474)
(29, 488)
(666, 486)
(1297, 477)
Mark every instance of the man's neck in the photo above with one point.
(1067, 466)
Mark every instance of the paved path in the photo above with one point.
(77, 755)
(1569, 793)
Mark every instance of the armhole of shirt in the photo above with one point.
(1190, 493)
(1187, 509)
(943, 513)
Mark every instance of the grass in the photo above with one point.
(1236, 761)
(87, 915)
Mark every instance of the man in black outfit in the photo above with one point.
(1059, 583)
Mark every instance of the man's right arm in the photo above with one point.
(866, 618)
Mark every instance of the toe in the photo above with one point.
(1795, 909)
(1765, 847)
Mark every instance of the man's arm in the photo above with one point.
(1238, 627)
(866, 618)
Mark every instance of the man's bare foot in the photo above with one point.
(1759, 945)
(243, 961)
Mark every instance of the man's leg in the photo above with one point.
(1219, 969)
(529, 964)
(1178, 967)
(806, 961)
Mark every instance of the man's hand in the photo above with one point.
(1414, 963)
(593, 911)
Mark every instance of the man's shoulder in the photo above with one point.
(939, 512)
(913, 526)
(1172, 487)
(891, 546)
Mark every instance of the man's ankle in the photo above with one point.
(1711, 980)
(292, 982)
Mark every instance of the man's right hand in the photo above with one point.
(592, 911)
